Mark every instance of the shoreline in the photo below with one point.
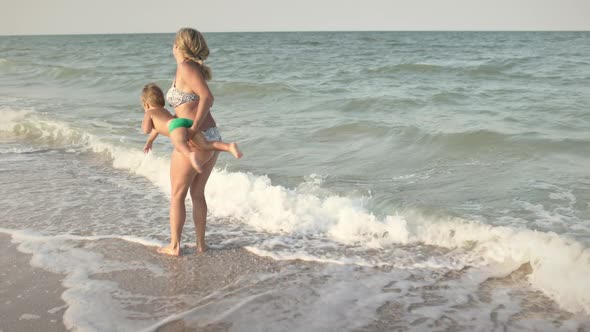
(31, 296)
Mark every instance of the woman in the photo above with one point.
(191, 98)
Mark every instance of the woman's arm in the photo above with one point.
(146, 124)
(193, 77)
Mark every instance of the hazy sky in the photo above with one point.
(130, 16)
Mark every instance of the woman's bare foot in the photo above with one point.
(233, 149)
(196, 165)
(170, 250)
(201, 248)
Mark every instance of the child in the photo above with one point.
(157, 120)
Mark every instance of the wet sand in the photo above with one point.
(230, 288)
(30, 296)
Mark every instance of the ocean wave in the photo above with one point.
(482, 139)
(291, 214)
(407, 67)
(449, 97)
(354, 129)
(26, 150)
(253, 90)
(310, 43)
(294, 215)
(386, 104)
(70, 76)
(30, 125)
(45, 70)
(38, 129)
(67, 73)
(514, 68)
(467, 141)
(519, 141)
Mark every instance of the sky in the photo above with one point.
(25, 17)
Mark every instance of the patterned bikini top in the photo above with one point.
(176, 97)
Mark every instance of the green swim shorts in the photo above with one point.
(179, 122)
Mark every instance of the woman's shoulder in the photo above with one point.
(189, 68)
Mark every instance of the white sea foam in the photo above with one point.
(307, 257)
(14, 150)
(28, 317)
(55, 310)
(39, 129)
(11, 118)
(560, 265)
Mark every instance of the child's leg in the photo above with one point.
(200, 142)
(179, 139)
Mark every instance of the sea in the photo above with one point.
(391, 181)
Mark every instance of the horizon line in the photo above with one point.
(280, 31)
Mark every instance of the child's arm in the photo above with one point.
(150, 140)
(146, 124)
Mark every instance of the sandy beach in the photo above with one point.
(31, 297)
(226, 288)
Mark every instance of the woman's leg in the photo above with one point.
(179, 137)
(182, 175)
(199, 202)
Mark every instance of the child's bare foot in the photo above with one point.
(201, 248)
(196, 165)
(170, 250)
(233, 149)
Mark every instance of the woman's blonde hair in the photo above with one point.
(192, 45)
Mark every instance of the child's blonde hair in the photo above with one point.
(152, 95)
(192, 45)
